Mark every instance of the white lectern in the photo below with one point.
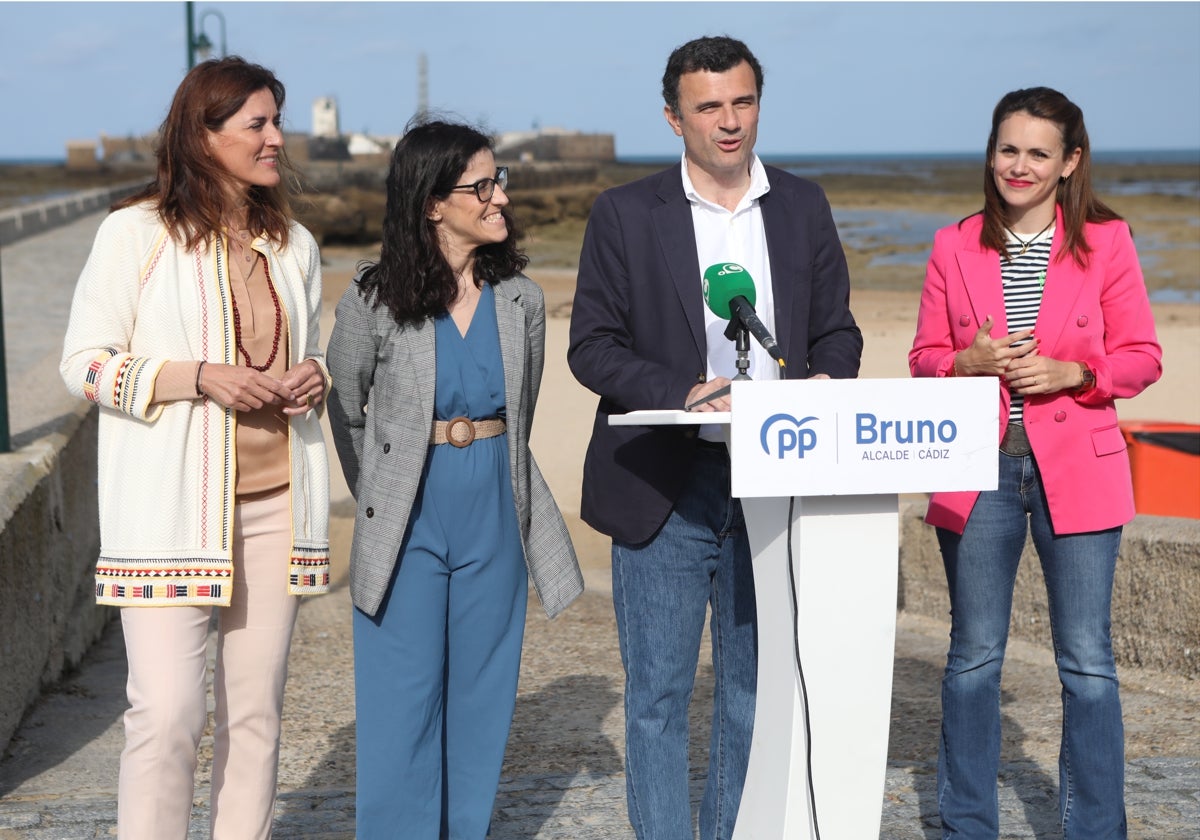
(834, 454)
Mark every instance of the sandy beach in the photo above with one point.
(888, 320)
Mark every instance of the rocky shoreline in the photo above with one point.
(343, 205)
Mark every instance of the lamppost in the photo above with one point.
(5, 440)
(199, 44)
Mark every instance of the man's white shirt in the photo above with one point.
(737, 236)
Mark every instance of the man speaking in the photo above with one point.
(643, 338)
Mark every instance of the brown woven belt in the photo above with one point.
(1015, 442)
(461, 430)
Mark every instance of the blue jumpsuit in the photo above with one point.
(436, 667)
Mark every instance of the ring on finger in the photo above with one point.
(305, 399)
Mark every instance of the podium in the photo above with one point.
(819, 466)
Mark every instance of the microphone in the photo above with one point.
(729, 294)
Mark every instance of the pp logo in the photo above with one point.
(787, 433)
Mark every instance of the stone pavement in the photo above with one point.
(563, 776)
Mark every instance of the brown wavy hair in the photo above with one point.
(1075, 195)
(189, 189)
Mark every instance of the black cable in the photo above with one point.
(812, 794)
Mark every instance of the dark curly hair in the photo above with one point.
(189, 190)
(412, 278)
(716, 54)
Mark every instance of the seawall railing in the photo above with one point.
(26, 220)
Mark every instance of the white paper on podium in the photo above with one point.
(669, 417)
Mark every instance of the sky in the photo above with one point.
(840, 78)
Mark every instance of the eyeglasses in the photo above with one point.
(485, 188)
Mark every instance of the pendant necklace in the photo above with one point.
(1026, 243)
(243, 237)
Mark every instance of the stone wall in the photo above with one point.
(81, 156)
(49, 541)
(1156, 593)
(19, 222)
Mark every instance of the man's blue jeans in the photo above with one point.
(661, 590)
(981, 568)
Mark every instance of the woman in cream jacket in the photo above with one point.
(194, 328)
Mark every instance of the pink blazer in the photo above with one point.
(1099, 315)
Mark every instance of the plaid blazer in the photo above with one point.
(391, 368)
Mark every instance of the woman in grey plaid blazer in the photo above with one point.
(436, 357)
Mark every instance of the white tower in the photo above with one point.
(325, 117)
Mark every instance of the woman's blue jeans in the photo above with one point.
(661, 590)
(981, 568)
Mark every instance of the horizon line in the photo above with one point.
(648, 157)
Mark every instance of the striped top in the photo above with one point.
(1023, 276)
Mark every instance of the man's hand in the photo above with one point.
(717, 403)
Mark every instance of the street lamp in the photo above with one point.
(200, 45)
(5, 440)
(203, 46)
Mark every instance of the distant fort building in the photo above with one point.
(555, 144)
(81, 156)
(128, 149)
(327, 143)
(325, 118)
(370, 148)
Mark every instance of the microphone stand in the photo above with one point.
(740, 336)
(738, 333)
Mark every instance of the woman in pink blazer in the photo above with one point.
(1042, 290)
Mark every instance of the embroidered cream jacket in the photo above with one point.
(167, 470)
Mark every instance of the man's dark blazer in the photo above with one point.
(638, 336)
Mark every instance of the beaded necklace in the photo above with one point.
(237, 325)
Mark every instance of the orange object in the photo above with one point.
(1165, 459)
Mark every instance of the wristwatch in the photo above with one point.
(1087, 378)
